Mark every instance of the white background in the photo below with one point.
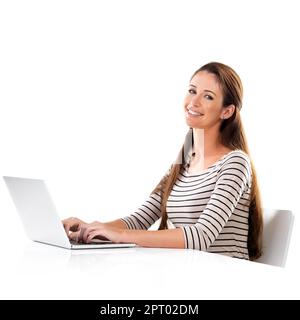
(91, 97)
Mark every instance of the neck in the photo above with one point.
(206, 142)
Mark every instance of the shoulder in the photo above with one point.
(237, 155)
(237, 160)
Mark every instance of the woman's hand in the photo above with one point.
(80, 231)
(97, 230)
(73, 225)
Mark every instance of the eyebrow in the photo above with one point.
(206, 90)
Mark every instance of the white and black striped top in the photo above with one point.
(211, 208)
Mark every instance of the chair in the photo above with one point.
(278, 225)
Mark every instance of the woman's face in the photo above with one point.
(203, 104)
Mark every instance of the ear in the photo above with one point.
(228, 111)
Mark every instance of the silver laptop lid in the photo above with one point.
(37, 211)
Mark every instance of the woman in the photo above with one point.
(210, 195)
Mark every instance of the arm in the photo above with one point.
(173, 238)
(133, 228)
(116, 224)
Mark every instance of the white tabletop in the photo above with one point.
(37, 271)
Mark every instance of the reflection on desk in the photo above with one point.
(43, 271)
(140, 258)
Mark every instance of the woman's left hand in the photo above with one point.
(102, 232)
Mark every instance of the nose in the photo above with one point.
(195, 101)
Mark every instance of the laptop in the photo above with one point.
(40, 219)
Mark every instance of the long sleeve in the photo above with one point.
(146, 214)
(233, 180)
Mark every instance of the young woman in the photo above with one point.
(210, 195)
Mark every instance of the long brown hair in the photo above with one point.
(232, 136)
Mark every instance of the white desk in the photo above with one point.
(35, 270)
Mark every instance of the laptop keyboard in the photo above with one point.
(94, 241)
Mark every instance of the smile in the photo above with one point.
(193, 113)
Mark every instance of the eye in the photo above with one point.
(191, 91)
(207, 96)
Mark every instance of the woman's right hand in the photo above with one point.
(72, 224)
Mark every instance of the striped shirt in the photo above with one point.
(212, 208)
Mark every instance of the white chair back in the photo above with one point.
(278, 225)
